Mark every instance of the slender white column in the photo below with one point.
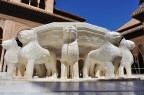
(29, 2)
(38, 2)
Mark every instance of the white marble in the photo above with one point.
(32, 53)
(11, 57)
(70, 53)
(105, 55)
(127, 57)
(70, 42)
(89, 37)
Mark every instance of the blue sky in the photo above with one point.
(110, 14)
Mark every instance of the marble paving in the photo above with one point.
(127, 87)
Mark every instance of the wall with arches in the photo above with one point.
(43, 4)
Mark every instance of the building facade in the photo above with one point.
(134, 30)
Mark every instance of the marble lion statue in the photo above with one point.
(70, 53)
(11, 57)
(32, 53)
(127, 57)
(107, 55)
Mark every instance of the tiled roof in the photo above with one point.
(68, 14)
(35, 14)
(139, 10)
(129, 24)
(132, 30)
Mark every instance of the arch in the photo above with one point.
(25, 1)
(42, 4)
(1, 33)
(1, 37)
(141, 63)
(141, 57)
(135, 65)
(34, 3)
(141, 49)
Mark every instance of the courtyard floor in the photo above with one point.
(98, 87)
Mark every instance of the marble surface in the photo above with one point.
(89, 36)
(131, 87)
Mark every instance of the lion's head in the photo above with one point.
(9, 43)
(113, 37)
(127, 43)
(25, 36)
(69, 34)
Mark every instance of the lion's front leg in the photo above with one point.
(128, 70)
(64, 71)
(109, 70)
(19, 70)
(54, 72)
(121, 71)
(10, 71)
(91, 70)
(29, 69)
(75, 70)
(86, 67)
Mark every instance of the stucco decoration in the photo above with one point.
(127, 57)
(32, 53)
(70, 53)
(105, 55)
(11, 57)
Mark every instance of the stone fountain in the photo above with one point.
(63, 50)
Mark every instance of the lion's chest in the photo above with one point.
(11, 56)
(70, 52)
(126, 56)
